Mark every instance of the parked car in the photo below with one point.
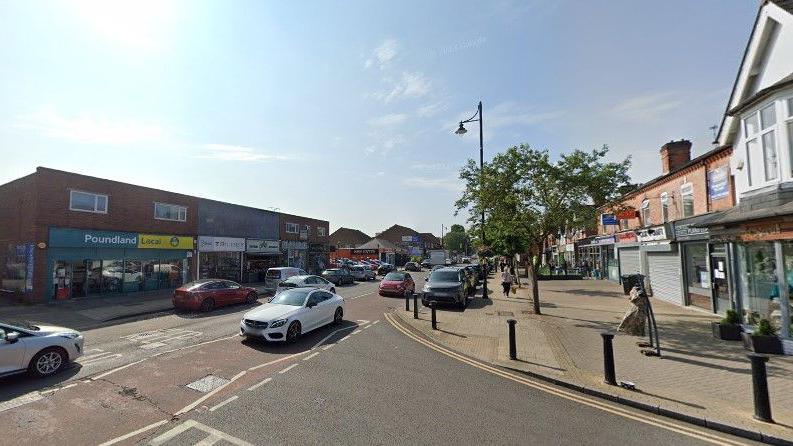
(360, 272)
(207, 294)
(277, 275)
(338, 276)
(40, 350)
(292, 313)
(397, 284)
(426, 263)
(385, 268)
(437, 267)
(412, 266)
(446, 285)
(306, 281)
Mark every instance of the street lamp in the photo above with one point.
(462, 131)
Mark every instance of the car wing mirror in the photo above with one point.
(12, 337)
(311, 305)
(426, 279)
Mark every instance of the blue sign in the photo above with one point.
(718, 185)
(608, 219)
(30, 247)
(82, 238)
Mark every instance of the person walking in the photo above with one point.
(506, 282)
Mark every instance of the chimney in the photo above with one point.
(675, 154)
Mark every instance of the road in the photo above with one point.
(369, 380)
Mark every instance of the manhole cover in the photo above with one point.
(208, 383)
(505, 313)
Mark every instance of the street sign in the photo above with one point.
(608, 220)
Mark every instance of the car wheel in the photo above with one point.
(293, 332)
(333, 290)
(338, 317)
(48, 362)
(252, 297)
(207, 305)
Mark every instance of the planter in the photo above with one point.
(762, 344)
(726, 332)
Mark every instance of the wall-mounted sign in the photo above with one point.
(609, 240)
(651, 234)
(262, 246)
(149, 241)
(627, 215)
(293, 244)
(718, 184)
(570, 247)
(626, 237)
(608, 220)
(410, 238)
(215, 244)
(80, 238)
(688, 232)
(364, 252)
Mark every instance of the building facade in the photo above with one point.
(347, 238)
(304, 242)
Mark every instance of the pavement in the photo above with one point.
(696, 376)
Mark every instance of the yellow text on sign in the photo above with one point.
(164, 241)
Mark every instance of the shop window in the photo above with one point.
(645, 212)
(15, 268)
(760, 135)
(292, 228)
(112, 276)
(789, 128)
(321, 231)
(758, 267)
(133, 276)
(665, 207)
(173, 212)
(698, 275)
(87, 202)
(687, 199)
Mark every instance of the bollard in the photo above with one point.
(608, 359)
(415, 306)
(762, 405)
(407, 302)
(513, 351)
(434, 320)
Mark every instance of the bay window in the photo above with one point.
(760, 129)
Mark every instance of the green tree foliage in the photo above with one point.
(456, 239)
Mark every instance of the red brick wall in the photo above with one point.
(17, 212)
(313, 236)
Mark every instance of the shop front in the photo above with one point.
(220, 257)
(626, 245)
(318, 258)
(662, 260)
(596, 258)
(259, 256)
(295, 253)
(89, 263)
(706, 273)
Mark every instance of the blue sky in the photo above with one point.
(345, 110)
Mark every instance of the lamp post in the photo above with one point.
(477, 117)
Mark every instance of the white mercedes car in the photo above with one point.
(39, 349)
(306, 281)
(291, 313)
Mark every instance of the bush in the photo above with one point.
(764, 328)
(731, 318)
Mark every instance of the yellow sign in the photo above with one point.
(164, 241)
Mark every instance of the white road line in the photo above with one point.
(95, 360)
(195, 403)
(259, 384)
(331, 335)
(373, 323)
(276, 361)
(362, 321)
(310, 356)
(287, 369)
(133, 433)
(222, 403)
(68, 386)
(328, 346)
(355, 332)
(360, 295)
(213, 436)
(366, 326)
(23, 399)
(344, 338)
(117, 369)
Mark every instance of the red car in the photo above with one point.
(397, 284)
(207, 294)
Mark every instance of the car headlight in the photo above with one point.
(73, 335)
(427, 288)
(278, 323)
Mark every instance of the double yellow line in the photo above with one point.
(575, 397)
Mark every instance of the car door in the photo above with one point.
(12, 354)
(221, 293)
(324, 284)
(313, 314)
(326, 307)
(234, 291)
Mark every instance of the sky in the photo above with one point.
(345, 111)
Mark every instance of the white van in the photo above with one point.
(277, 275)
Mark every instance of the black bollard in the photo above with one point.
(407, 302)
(608, 359)
(415, 306)
(434, 320)
(762, 404)
(513, 351)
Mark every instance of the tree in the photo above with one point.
(456, 239)
(527, 196)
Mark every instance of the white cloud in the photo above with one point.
(383, 54)
(408, 85)
(448, 184)
(431, 109)
(431, 166)
(392, 142)
(370, 149)
(509, 113)
(48, 122)
(649, 107)
(388, 120)
(380, 174)
(226, 152)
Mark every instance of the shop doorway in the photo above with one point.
(721, 278)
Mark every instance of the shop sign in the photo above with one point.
(150, 241)
(80, 238)
(603, 240)
(651, 234)
(627, 215)
(29, 248)
(292, 244)
(265, 246)
(626, 237)
(684, 232)
(410, 238)
(718, 186)
(364, 252)
(608, 220)
(570, 247)
(215, 244)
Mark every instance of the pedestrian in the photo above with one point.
(506, 282)
(502, 265)
(563, 265)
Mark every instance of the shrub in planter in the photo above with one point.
(763, 339)
(729, 328)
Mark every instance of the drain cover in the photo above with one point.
(208, 383)
(505, 313)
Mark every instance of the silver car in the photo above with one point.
(41, 350)
(362, 273)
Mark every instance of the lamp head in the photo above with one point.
(461, 130)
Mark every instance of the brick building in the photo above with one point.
(348, 238)
(304, 242)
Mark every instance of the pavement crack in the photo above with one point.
(132, 392)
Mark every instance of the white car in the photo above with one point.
(41, 350)
(306, 281)
(292, 313)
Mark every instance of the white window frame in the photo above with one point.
(180, 211)
(758, 137)
(321, 231)
(687, 190)
(665, 207)
(786, 127)
(646, 219)
(307, 228)
(96, 197)
(296, 227)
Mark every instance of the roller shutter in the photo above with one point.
(630, 261)
(665, 276)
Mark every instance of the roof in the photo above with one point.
(787, 5)
(739, 215)
(395, 233)
(762, 94)
(430, 237)
(349, 235)
(377, 243)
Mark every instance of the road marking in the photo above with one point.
(331, 335)
(287, 369)
(213, 435)
(366, 326)
(100, 356)
(195, 403)
(355, 332)
(682, 429)
(344, 338)
(117, 369)
(222, 403)
(310, 356)
(259, 384)
(68, 386)
(375, 322)
(328, 346)
(360, 295)
(362, 321)
(159, 338)
(276, 361)
(23, 399)
(133, 433)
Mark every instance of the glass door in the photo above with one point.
(721, 278)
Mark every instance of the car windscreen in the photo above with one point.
(273, 274)
(19, 324)
(395, 276)
(295, 298)
(330, 272)
(444, 276)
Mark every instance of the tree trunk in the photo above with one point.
(535, 289)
